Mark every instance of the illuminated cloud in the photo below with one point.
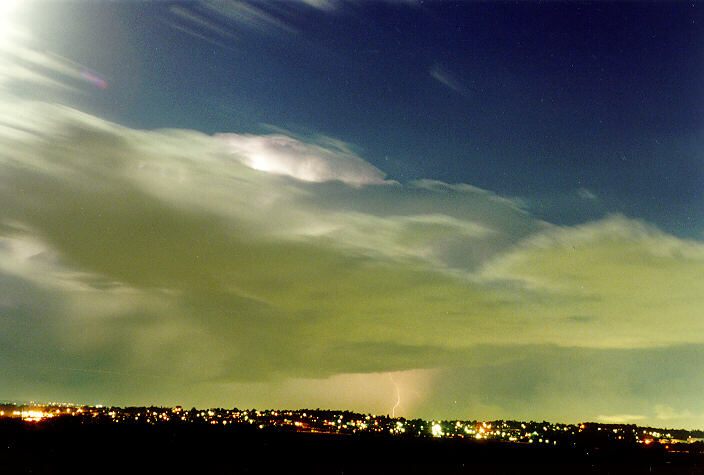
(364, 392)
(23, 62)
(621, 418)
(284, 155)
(627, 276)
(171, 256)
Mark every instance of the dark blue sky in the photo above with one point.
(528, 100)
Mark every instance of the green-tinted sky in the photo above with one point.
(490, 210)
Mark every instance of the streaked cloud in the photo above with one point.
(324, 5)
(194, 23)
(189, 16)
(22, 62)
(227, 20)
(448, 79)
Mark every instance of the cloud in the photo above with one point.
(626, 274)
(172, 237)
(283, 155)
(251, 16)
(447, 79)
(196, 20)
(133, 262)
(621, 418)
(22, 62)
(669, 414)
(364, 392)
(571, 384)
(586, 194)
(200, 26)
(324, 5)
(224, 22)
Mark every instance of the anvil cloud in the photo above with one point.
(170, 257)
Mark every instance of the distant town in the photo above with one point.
(347, 423)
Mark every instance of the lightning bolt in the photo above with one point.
(398, 397)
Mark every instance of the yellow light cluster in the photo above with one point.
(34, 416)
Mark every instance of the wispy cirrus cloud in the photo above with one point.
(448, 79)
(22, 62)
(223, 22)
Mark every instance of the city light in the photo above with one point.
(346, 422)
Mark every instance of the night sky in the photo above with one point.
(448, 210)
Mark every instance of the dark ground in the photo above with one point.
(69, 446)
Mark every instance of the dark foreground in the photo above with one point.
(69, 446)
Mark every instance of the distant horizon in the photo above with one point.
(341, 410)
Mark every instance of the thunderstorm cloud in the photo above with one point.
(139, 262)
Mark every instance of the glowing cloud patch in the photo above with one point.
(282, 155)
